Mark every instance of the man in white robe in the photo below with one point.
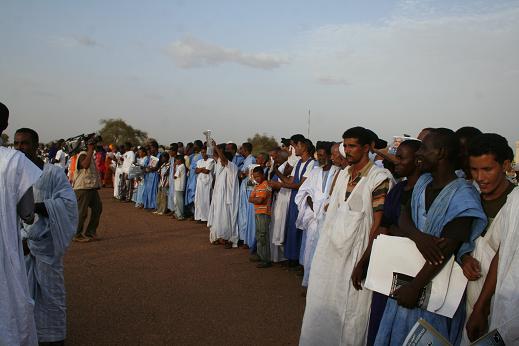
(47, 239)
(204, 183)
(223, 213)
(488, 157)
(311, 200)
(505, 315)
(280, 201)
(17, 175)
(336, 313)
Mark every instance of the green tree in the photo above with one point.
(117, 131)
(5, 138)
(262, 143)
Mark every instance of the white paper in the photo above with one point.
(396, 254)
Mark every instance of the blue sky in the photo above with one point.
(175, 68)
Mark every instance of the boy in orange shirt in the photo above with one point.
(261, 198)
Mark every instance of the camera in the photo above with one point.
(79, 143)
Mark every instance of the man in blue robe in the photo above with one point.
(293, 236)
(17, 175)
(191, 179)
(246, 216)
(47, 240)
(237, 158)
(151, 176)
(444, 218)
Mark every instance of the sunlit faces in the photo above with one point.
(488, 173)
(354, 150)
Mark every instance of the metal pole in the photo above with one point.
(308, 132)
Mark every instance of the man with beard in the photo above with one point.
(336, 313)
(48, 239)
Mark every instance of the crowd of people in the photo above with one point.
(315, 209)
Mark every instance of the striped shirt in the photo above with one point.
(262, 190)
(378, 195)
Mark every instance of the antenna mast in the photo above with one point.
(308, 130)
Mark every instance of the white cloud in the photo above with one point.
(75, 41)
(445, 69)
(191, 52)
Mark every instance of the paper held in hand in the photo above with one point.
(395, 261)
(209, 141)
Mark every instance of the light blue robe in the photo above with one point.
(151, 185)
(48, 239)
(238, 161)
(17, 176)
(458, 199)
(191, 180)
(246, 216)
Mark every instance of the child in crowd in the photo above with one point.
(261, 198)
(180, 183)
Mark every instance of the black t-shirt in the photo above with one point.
(493, 207)
(457, 229)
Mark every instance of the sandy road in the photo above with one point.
(151, 280)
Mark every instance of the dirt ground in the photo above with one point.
(152, 280)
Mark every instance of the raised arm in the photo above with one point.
(221, 154)
(85, 160)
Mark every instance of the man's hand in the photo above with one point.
(430, 247)
(39, 208)
(310, 202)
(471, 268)
(407, 295)
(477, 325)
(26, 250)
(359, 274)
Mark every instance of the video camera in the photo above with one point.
(79, 143)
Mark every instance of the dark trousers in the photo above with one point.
(262, 237)
(88, 199)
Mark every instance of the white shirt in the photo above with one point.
(61, 158)
(180, 174)
(308, 169)
(129, 158)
